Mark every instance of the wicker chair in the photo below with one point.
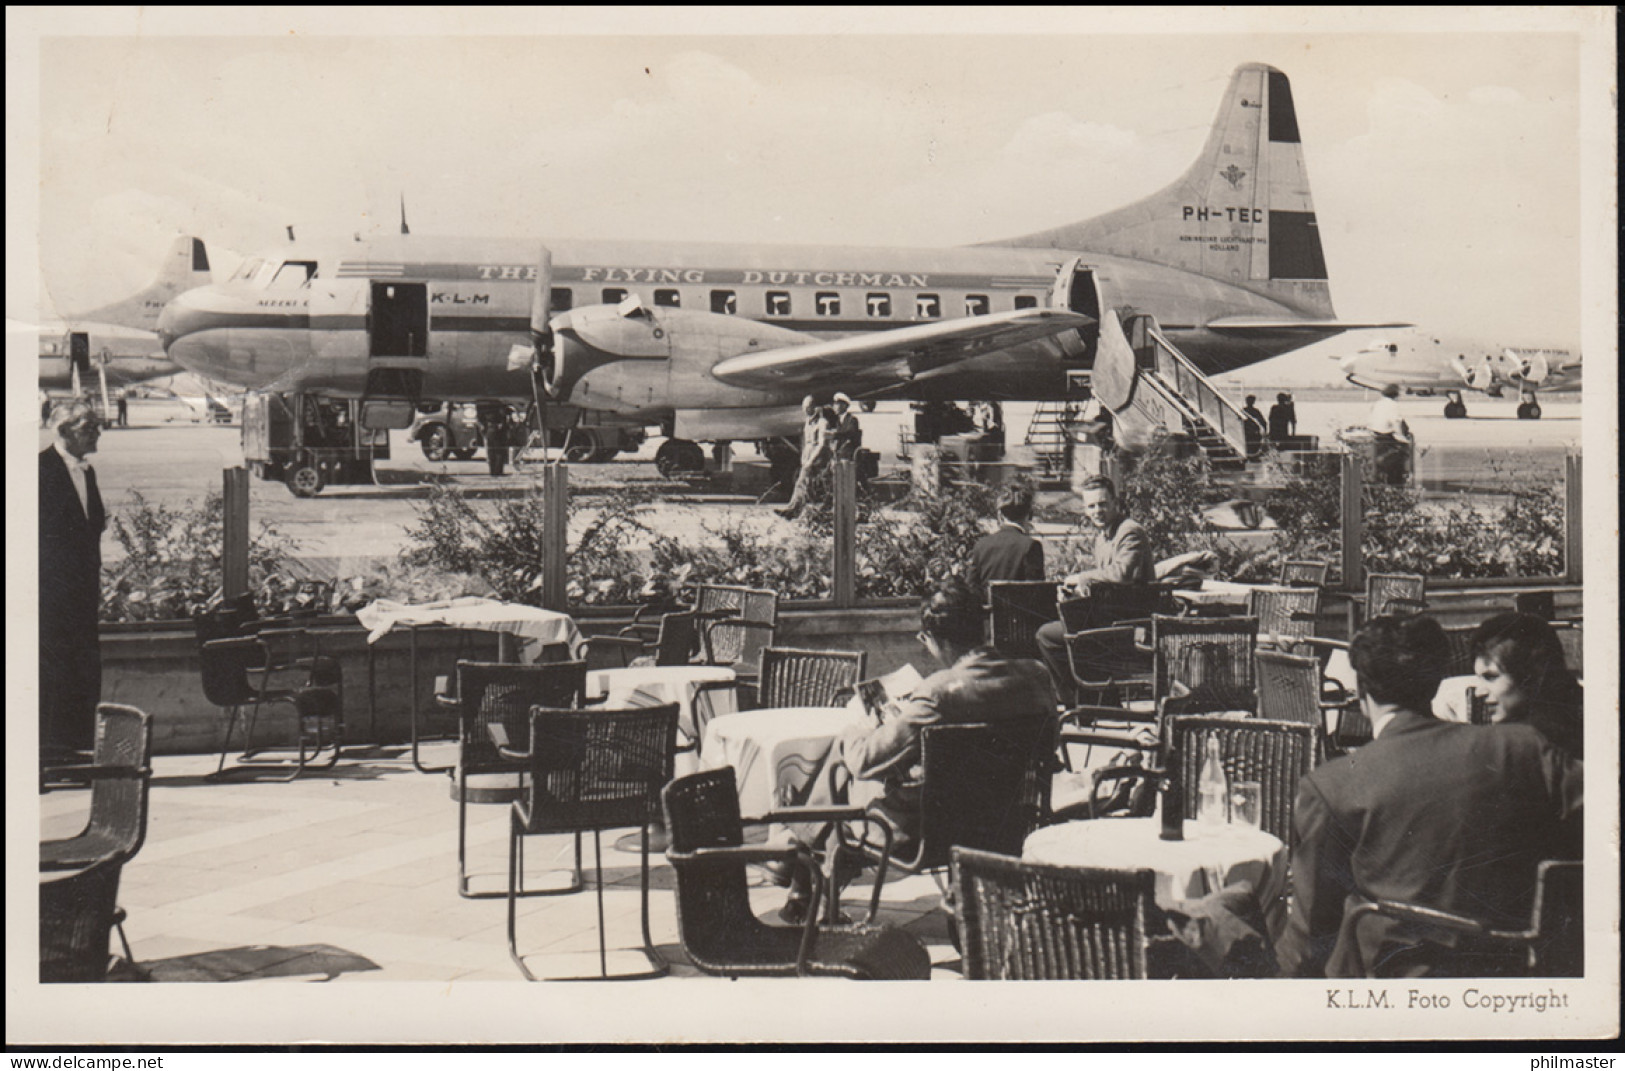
(1289, 689)
(1275, 754)
(715, 923)
(751, 615)
(1017, 609)
(1304, 574)
(790, 677)
(119, 777)
(228, 667)
(77, 914)
(1551, 946)
(1203, 665)
(592, 770)
(1286, 615)
(502, 693)
(1034, 922)
(982, 785)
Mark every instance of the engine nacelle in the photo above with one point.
(663, 341)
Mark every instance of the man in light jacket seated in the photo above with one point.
(1122, 555)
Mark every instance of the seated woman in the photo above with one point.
(1519, 662)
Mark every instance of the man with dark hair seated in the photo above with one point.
(974, 684)
(1444, 815)
(1009, 553)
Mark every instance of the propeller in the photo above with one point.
(1532, 369)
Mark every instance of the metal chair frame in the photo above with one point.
(550, 684)
(1552, 944)
(715, 923)
(593, 770)
(229, 667)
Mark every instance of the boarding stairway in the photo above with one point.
(1155, 391)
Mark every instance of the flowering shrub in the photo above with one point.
(501, 545)
(1519, 534)
(171, 565)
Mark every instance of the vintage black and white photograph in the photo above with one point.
(736, 506)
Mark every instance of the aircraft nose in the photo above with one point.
(182, 316)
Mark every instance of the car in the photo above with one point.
(447, 431)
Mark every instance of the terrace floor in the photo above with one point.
(350, 875)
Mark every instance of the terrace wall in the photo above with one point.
(155, 667)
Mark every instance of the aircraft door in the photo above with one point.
(79, 359)
(400, 319)
(1075, 289)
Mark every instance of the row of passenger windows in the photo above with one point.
(780, 303)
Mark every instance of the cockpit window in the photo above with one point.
(245, 271)
(293, 274)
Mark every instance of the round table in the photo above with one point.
(775, 752)
(659, 684)
(1209, 858)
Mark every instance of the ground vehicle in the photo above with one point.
(454, 430)
(309, 442)
(449, 430)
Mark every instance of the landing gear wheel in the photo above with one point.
(435, 442)
(1455, 410)
(304, 479)
(1529, 411)
(677, 456)
(464, 453)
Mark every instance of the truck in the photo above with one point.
(309, 442)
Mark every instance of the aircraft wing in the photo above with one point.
(1262, 323)
(876, 360)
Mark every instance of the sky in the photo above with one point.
(1445, 166)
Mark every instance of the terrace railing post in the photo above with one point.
(1353, 520)
(234, 548)
(555, 528)
(844, 567)
(1573, 521)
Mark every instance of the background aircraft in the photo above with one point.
(1421, 363)
(721, 341)
(118, 343)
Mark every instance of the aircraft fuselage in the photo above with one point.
(470, 301)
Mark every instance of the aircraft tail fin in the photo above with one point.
(1241, 214)
(185, 266)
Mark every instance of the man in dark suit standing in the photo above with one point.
(1440, 814)
(1009, 553)
(71, 521)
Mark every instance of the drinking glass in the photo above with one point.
(1246, 803)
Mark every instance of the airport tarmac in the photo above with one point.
(170, 459)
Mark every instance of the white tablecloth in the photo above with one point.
(664, 684)
(774, 752)
(533, 626)
(1209, 858)
(1218, 593)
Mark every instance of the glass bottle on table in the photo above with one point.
(1173, 800)
(1212, 787)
